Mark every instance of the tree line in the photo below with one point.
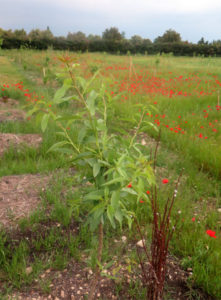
(111, 41)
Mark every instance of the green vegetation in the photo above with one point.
(179, 96)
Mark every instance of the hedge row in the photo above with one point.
(117, 47)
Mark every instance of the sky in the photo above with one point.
(193, 19)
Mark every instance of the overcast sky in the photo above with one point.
(193, 19)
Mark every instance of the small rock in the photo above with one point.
(219, 210)
(62, 294)
(72, 297)
(124, 239)
(28, 270)
(140, 243)
(56, 298)
(143, 142)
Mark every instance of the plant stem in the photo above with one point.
(138, 127)
(97, 270)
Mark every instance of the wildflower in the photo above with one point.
(141, 201)
(193, 219)
(129, 185)
(211, 233)
(165, 181)
(148, 192)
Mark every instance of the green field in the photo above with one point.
(178, 97)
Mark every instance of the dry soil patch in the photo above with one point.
(19, 195)
(8, 103)
(12, 115)
(9, 139)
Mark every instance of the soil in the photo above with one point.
(12, 115)
(19, 195)
(73, 283)
(9, 139)
(8, 103)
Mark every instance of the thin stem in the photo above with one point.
(97, 271)
(138, 127)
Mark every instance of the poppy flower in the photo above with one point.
(165, 181)
(129, 185)
(211, 233)
(148, 192)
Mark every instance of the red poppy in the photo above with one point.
(129, 185)
(165, 181)
(148, 192)
(211, 233)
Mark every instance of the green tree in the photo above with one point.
(136, 40)
(77, 37)
(170, 36)
(113, 35)
(202, 42)
(20, 34)
(34, 34)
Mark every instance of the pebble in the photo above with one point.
(124, 239)
(28, 270)
(140, 243)
(62, 294)
(143, 142)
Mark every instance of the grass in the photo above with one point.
(47, 239)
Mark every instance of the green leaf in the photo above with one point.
(129, 191)
(81, 134)
(83, 155)
(96, 169)
(91, 102)
(57, 145)
(68, 118)
(82, 82)
(118, 215)
(115, 197)
(62, 100)
(44, 122)
(91, 80)
(129, 221)
(95, 195)
(65, 150)
(105, 163)
(31, 112)
(96, 216)
(115, 180)
(110, 214)
(60, 93)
